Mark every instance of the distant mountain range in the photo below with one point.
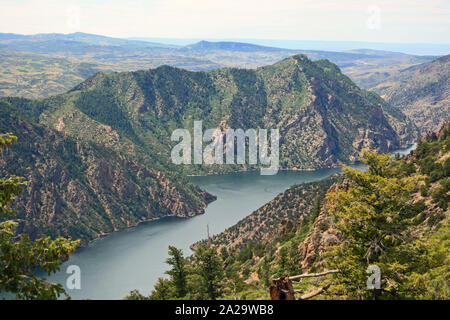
(408, 48)
(111, 54)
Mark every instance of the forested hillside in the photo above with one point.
(109, 165)
(83, 189)
(322, 115)
(286, 212)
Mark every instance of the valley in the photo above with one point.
(134, 258)
(109, 160)
(95, 117)
(75, 57)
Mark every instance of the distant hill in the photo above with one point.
(80, 37)
(422, 92)
(231, 46)
(435, 49)
(106, 53)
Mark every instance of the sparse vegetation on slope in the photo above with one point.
(421, 92)
(85, 189)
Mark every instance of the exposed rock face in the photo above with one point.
(322, 234)
(79, 190)
(422, 92)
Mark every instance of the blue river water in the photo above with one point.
(134, 258)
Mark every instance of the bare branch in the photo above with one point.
(315, 293)
(310, 275)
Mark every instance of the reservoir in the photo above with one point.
(134, 258)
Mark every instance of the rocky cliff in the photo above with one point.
(84, 190)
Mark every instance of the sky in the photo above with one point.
(404, 21)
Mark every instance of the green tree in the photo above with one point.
(431, 277)
(135, 295)
(209, 268)
(373, 217)
(235, 285)
(264, 271)
(178, 273)
(163, 290)
(224, 253)
(316, 208)
(19, 256)
(282, 261)
(293, 259)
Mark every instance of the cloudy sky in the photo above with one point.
(343, 20)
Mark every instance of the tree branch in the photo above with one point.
(310, 275)
(314, 293)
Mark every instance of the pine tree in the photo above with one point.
(282, 262)
(264, 271)
(372, 216)
(163, 290)
(209, 268)
(178, 273)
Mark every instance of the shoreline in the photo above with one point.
(135, 225)
(334, 166)
(225, 173)
(252, 170)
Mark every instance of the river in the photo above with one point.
(134, 258)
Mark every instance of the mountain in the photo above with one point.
(422, 92)
(417, 49)
(111, 137)
(367, 73)
(46, 42)
(322, 115)
(84, 189)
(229, 46)
(106, 53)
(81, 38)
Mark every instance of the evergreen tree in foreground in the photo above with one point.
(209, 268)
(374, 215)
(178, 273)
